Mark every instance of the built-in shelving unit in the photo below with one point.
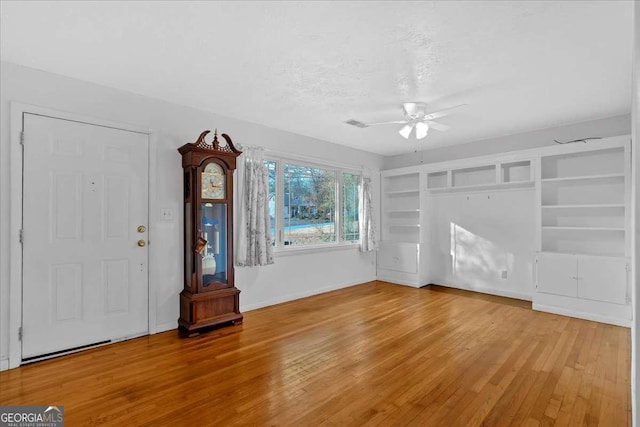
(401, 208)
(582, 266)
(509, 175)
(579, 212)
(400, 239)
(583, 202)
(516, 172)
(438, 180)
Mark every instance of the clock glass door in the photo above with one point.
(214, 253)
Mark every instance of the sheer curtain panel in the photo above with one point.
(367, 225)
(254, 244)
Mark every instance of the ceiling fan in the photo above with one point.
(416, 117)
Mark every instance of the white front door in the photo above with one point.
(85, 194)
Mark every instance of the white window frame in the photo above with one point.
(278, 238)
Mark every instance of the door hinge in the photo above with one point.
(21, 235)
(22, 138)
(20, 333)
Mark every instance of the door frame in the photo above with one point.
(15, 215)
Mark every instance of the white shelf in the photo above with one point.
(515, 171)
(606, 255)
(402, 225)
(586, 177)
(437, 179)
(468, 177)
(562, 227)
(593, 206)
(590, 164)
(401, 241)
(482, 187)
(391, 193)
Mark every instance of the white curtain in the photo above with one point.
(253, 243)
(367, 225)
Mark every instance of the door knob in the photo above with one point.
(142, 229)
(141, 243)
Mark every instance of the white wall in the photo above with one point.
(477, 235)
(612, 126)
(171, 126)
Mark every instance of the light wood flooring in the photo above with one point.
(372, 354)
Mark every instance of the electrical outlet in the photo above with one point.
(503, 274)
(166, 214)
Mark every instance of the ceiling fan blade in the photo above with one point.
(406, 130)
(422, 129)
(356, 123)
(442, 113)
(386, 123)
(359, 124)
(438, 126)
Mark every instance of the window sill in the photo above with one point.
(300, 250)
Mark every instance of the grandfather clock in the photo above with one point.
(209, 296)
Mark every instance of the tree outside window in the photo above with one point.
(309, 205)
(303, 211)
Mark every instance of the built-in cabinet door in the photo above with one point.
(603, 279)
(557, 274)
(401, 257)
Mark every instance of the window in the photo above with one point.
(271, 167)
(312, 205)
(309, 205)
(350, 201)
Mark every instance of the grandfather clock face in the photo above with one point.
(213, 182)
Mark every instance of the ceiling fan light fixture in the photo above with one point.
(421, 130)
(415, 109)
(406, 131)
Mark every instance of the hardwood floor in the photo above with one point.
(373, 354)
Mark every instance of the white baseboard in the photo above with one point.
(4, 364)
(167, 326)
(490, 291)
(399, 277)
(292, 297)
(581, 315)
(399, 282)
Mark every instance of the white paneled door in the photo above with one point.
(85, 214)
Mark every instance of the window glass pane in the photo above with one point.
(350, 226)
(309, 205)
(271, 167)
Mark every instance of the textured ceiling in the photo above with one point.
(306, 67)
